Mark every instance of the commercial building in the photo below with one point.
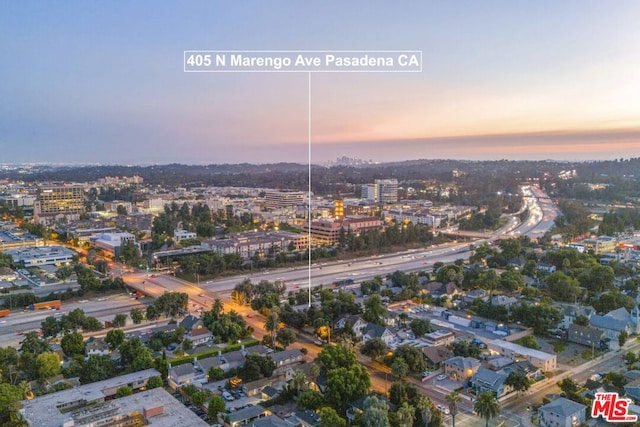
(439, 338)
(87, 406)
(111, 242)
(324, 232)
(275, 199)
(381, 191)
(17, 238)
(45, 255)
(54, 202)
(544, 361)
(600, 245)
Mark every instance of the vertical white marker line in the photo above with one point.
(309, 196)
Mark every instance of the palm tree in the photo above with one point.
(452, 399)
(425, 406)
(406, 415)
(487, 406)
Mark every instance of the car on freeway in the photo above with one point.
(249, 315)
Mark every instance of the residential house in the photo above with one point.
(613, 323)
(385, 333)
(254, 388)
(306, 418)
(562, 412)
(436, 355)
(632, 390)
(245, 416)
(286, 360)
(269, 421)
(196, 331)
(547, 268)
(356, 322)
(587, 335)
(437, 289)
(182, 375)
(96, 347)
(461, 368)
(487, 380)
(474, 294)
(570, 312)
(524, 366)
(504, 300)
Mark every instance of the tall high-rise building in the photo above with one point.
(58, 201)
(369, 192)
(387, 190)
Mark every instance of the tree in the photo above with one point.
(136, 315)
(530, 342)
(518, 381)
(97, 368)
(135, 356)
(124, 391)
(215, 373)
(310, 399)
(581, 320)
(334, 357)
(199, 397)
(33, 344)
(452, 399)
(72, 344)
(330, 418)
(622, 338)
(47, 365)
(298, 382)
(374, 311)
(376, 413)
(346, 384)
(216, 406)
(414, 358)
(286, 337)
(154, 382)
(114, 338)
(399, 367)
(119, 320)
(50, 327)
(420, 327)
(374, 348)
(487, 406)
(406, 415)
(10, 397)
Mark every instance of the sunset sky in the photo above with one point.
(103, 82)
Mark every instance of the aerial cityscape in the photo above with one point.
(342, 243)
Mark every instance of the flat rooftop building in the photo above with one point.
(45, 255)
(155, 407)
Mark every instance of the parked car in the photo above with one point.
(441, 377)
(227, 396)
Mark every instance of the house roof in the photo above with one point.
(589, 331)
(270, 391)
(436, 354)
(308, 417)
(377, 331)
(563, 407)
(282, 356)
(489, 378)
(246, 414)
(183, 370)
(608, 322)
(463, 363)
(189, 322)
(270, 421)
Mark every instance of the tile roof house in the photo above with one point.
(561, 413)
(461, 368)
(487, 380)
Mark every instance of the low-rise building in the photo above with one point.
(111, 242)
(438, 338)
(487, 380)
(562, 413)
(586, 335)
(45, 255)
(461, 368)
(544, 361)
(153, 407)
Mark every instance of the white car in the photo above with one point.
(441, 377)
